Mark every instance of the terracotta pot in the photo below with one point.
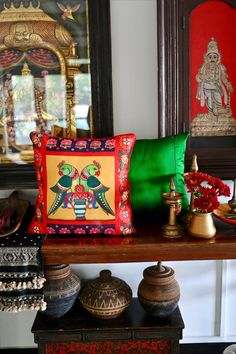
(202, 225)
(60, 289)
(159, 291)
(106, 296)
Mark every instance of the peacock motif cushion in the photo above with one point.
(83, 185)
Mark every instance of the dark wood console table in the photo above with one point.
(75, 330)
(146, 246)
(132, 332)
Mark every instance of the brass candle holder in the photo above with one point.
(173, 199)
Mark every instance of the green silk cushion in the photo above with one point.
(153, 162)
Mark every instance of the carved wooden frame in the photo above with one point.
(173, 83)
(23, 176)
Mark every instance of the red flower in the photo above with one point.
(51, 230)
(109, 230)
(94, 230)
(51, 143)
(66, 143)
(206, 190)
(204, 204)
(80, 192)
(81, 144)
(110, 144)
(79, 230)
(96, 144)
(64, 230)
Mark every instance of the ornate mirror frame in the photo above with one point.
(215, 155)
(23, 175)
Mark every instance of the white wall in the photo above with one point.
(134, 61)
(208, 288)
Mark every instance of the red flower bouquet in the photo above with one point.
(206, 190)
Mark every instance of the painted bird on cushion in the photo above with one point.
(91, 183)
(68, 173)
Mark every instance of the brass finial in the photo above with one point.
(194, 168)
(172, 187)
(194, 165)
(189, 214)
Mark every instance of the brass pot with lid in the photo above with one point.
(106, 296)
(159, 291)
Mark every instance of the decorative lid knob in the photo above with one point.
(105, 275)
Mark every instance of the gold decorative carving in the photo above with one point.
(63, 36)
(28, 27)
(23, 13)
(22, 35)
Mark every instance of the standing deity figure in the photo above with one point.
(213, 86)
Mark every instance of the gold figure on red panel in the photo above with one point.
(214, 92)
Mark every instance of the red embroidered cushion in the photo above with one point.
(83, 185)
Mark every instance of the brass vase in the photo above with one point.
(202, 225)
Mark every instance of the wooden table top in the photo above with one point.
(147, 245)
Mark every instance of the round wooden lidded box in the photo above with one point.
(106, 296)
(159, 291)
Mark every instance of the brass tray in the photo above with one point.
(17, 208)
(223, 213)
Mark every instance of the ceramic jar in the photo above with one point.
(60, 289)
(202, 225)
(159, 291)
(106, 296)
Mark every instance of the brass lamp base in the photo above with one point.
(172, 231)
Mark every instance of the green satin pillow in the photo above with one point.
(152, 164)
